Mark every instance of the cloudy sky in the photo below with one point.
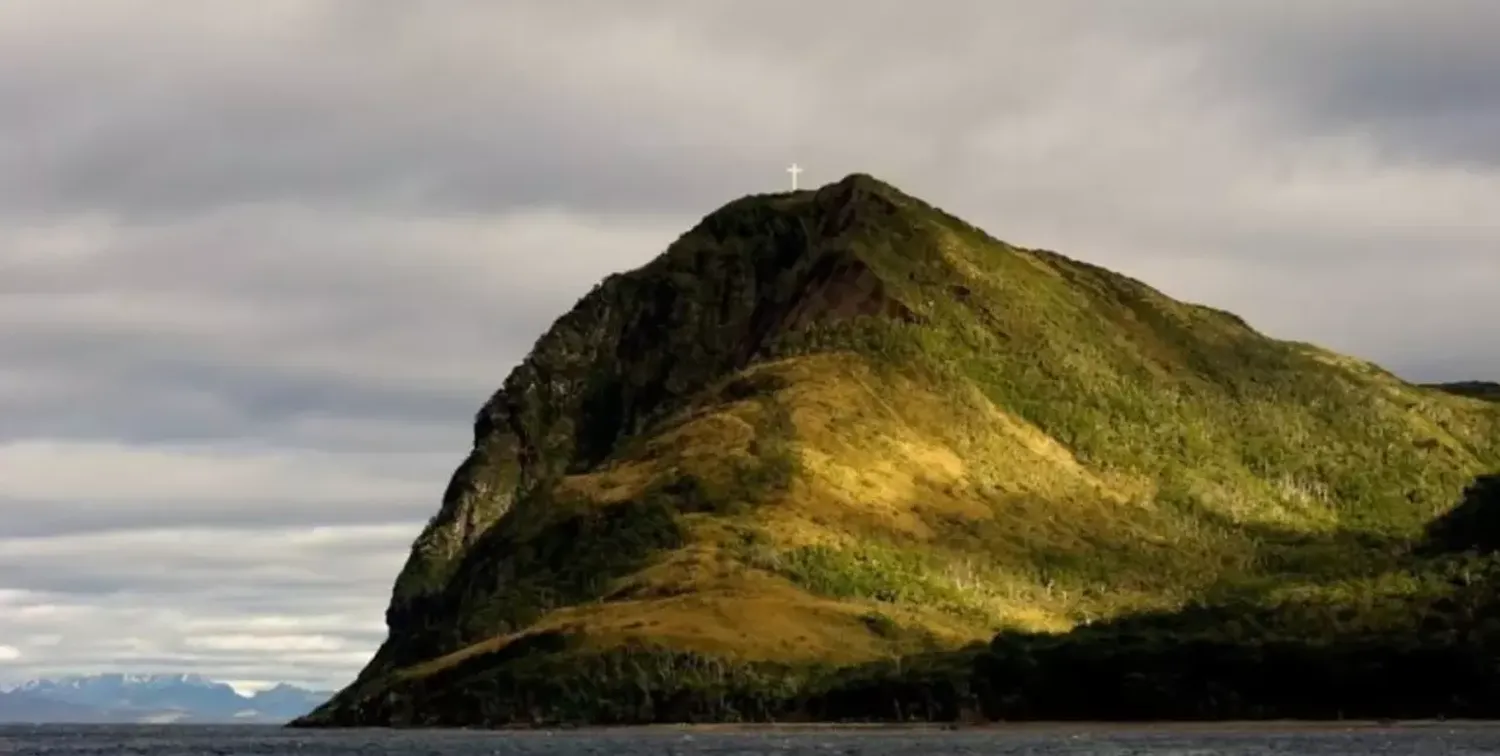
(260, 262)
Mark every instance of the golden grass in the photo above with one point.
(885, 459)
(747, 616)
(879, 457)
(870, 466)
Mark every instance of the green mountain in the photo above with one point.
(839, 454)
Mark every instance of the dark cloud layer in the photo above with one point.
(260, 262)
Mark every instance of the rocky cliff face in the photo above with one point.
(830, 427)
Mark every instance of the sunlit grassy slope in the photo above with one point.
(831, 427)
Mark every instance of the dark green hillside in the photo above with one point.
(1475, 389)
(810, 461)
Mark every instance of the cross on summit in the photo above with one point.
(794, 170)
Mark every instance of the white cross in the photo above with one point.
(794, 170)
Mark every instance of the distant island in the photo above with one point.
(839, 456)
(151, 699)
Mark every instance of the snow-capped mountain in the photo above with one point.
(289, 698)
(152, 698)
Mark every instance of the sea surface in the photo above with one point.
(1179, 740)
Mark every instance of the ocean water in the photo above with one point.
(1108, 741)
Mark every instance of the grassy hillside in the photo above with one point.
(840, 439)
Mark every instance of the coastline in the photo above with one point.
(1060, 727)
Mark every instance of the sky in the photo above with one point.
(261, 262)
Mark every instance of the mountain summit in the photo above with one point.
(830, 428)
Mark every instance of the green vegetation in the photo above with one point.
(812, 460)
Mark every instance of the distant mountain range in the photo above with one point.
(120, 698)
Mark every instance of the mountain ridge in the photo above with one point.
(868, 430)
(120, 698)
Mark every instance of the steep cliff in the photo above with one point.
(831, 427)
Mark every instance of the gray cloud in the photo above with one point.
(239, 604)
(1420, 81)
(260, 262)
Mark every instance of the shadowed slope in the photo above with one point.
(1475, 389)
(837, 426)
